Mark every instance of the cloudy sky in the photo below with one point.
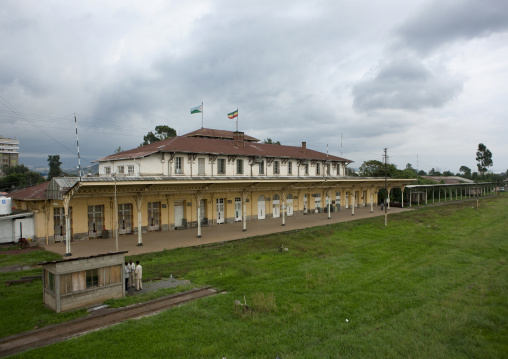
(426, 79)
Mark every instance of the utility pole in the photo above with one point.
(386, 189)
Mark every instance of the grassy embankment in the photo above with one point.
(434, 283)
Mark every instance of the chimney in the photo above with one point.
(304, 146)
(239, 138)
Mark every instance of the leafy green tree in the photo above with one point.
(161, 133)
(19, 177)
(270, 141)
(54, 166)
(118, 150)
(466, 171)
(484, 158)
(374, 168)
(422, 173)
(434, 172)
(448, 173)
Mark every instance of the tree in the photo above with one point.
(484, 158)
(118, 150)
(374, 168)
(54, 166)
(422, 173)
(269, 141)
(161, 133)
(448, 173)
(19, 177)
(466, 171)
(434, 172)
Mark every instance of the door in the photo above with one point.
(289, 205)
(95, 221)
(201, 211)
(305, 203)
(179, 214)
(59, 226)
(238, 209)
(347, 199)
(276, 206)
(125, 218)
(220, 210)
(337, 201)
(154, 216)
(261, 207)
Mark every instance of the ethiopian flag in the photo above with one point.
(233, 114)
(197, 109)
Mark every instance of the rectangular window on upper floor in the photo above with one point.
(120, 170)
(262, 167)
(107, 170)
(276, 167)
(221, 166)
(328, 173)
(290, 168)
(318, 169)
(130, 170)
(178, 165)
(239, 167)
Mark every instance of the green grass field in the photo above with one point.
(433, 284)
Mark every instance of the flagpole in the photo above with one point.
(237, 120)
(202, 110)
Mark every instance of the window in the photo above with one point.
(276, 168)
(306, 169)
(290, 168)
(92, 278)
(318, 169)
(120, 170)
(239, 167)
(50, 281)
(107, 170)
(130, 170)
(221, 166)
(328, 173)
(262, 167)
(179, 165)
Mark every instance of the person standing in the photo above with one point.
(127, 272)
(132, 268)
(139, 276)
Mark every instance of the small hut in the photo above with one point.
(81, 282)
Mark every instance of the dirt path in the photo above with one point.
(99, 319)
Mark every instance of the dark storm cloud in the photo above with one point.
(442, 22)
(405, 84)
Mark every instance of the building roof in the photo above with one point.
(218, 134)
(200, 145)
(34, 193)
(449, 179)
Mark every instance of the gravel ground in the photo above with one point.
(158, 284)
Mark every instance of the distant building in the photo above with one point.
(9, 152)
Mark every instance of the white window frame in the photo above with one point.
(130, 170)
(276, 167)
(239, 167)
(107, 170)
(221, 166)
(262, 167)
(290, 168)
(179, 165)
(318, 169)
(120, 170)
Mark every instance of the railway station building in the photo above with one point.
(204, 178)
